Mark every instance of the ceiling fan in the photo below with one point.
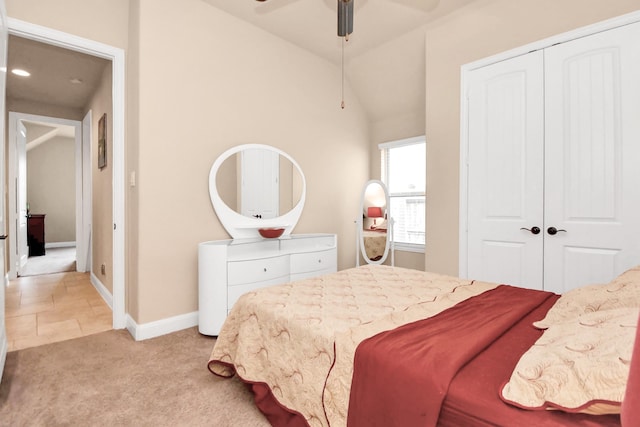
(345, 17)
(345, 10)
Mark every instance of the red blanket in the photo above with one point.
(401, 377)
(473, 397)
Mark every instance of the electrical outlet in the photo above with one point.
(103, 269)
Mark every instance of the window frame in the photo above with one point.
(383, 147)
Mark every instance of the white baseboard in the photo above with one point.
(59, 245)
(4, 348)
(151, 329)
(102, 290)
(161, 327)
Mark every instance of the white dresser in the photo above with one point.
(229, 268)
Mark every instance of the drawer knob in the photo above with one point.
(320, 261)
(265, 269)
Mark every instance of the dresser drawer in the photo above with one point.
(313, 261)
(258, 270)
(228, 269)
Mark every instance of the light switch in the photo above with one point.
(132, 179)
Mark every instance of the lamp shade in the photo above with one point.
(374, 212)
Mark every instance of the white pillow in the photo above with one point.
(579, 365)
(623, 291)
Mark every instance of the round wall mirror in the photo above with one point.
(273, 191)
(375, 226)
(254, 187)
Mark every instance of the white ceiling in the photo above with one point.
(52, 69)
(38, 133)
(384, 57)
(312, 24)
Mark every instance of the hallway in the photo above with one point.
(56, 260)
(53, 307)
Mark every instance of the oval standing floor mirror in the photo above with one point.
(374, 225)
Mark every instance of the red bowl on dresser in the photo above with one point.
(271, 232)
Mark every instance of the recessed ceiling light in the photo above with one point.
(21, 73)
(75, 80)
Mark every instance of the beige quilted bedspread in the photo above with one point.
(300, 338)
(375, 243)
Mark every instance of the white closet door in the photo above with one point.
(505, 174)
(260, 192)
(592, 158)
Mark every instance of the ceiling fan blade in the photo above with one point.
(424, 5)
(265, 7)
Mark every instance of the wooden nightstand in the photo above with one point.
(35, 234)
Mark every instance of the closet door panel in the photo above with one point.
(505, 180)
(592, 154)
(259, 192)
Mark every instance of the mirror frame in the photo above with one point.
(360, 249)
(240, 226)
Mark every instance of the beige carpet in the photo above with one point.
(108, 379)
(55, 260)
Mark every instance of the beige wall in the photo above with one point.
(402, 120)
(102, 183)
(51, 187)
(484, 28)
(216, 83)
(132, 130)
(105, 21)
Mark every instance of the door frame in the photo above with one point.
(84, 260)
(116, 56)
(464, 111)
(20, 247)
(12, 166)
(4, 38)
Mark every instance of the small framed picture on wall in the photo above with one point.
(102, 141)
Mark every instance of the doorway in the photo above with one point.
(53, 298)
(115, 298)
(47, 212)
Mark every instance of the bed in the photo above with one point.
(375, 242)
(444, 350)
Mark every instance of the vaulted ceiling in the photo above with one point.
(312, 24)
(384, 57)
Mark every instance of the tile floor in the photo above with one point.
(53, 307)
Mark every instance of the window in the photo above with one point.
(404, 172)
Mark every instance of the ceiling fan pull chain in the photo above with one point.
(345, 27)
(342, 103)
